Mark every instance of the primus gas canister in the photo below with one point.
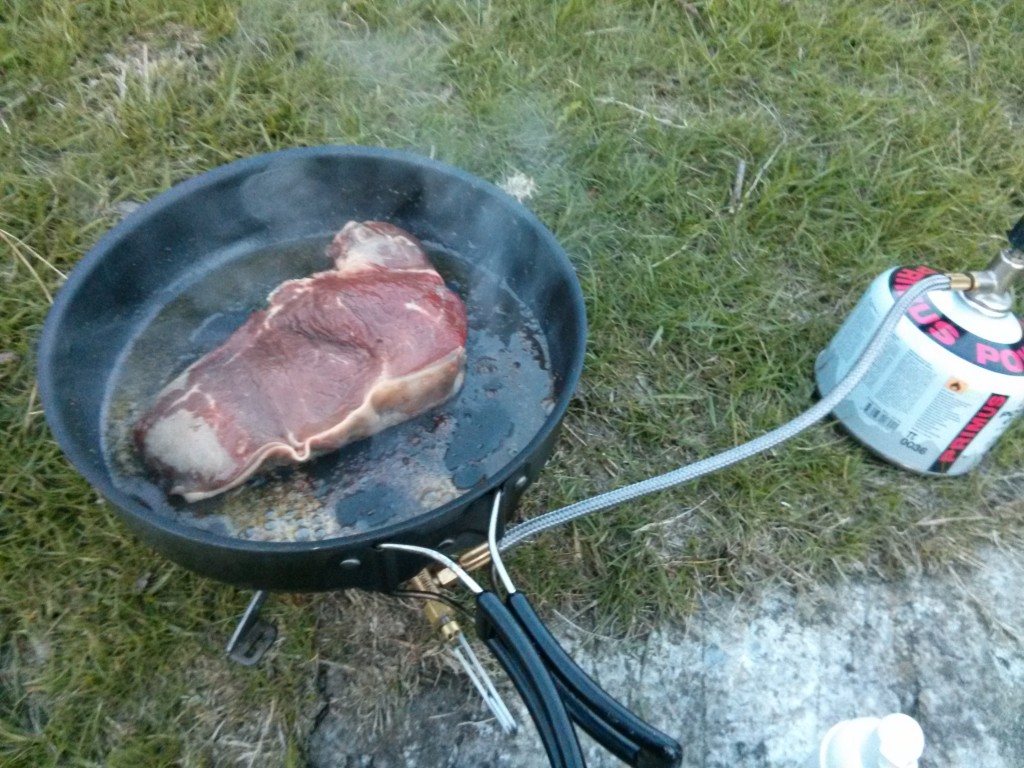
(950, 379)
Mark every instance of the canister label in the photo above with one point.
(971, 430)
(995, 356)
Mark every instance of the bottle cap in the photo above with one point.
(901, 741)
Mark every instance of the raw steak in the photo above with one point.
(334, 358)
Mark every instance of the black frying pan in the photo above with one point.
(177, 276)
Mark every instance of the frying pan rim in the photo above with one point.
(94, 258)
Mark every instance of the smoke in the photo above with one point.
(405, 82)
(409, 82)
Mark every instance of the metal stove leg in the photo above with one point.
(253, 636)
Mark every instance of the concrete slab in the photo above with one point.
(755, 683)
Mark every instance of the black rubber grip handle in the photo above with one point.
(599, 729)
(612, 725)
(517, 656)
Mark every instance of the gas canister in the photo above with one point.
(950, 379)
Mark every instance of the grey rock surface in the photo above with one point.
(755, 682)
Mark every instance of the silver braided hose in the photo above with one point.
(527, 530)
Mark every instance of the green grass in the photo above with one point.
(872, 134)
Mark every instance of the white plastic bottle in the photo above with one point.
(893, 741)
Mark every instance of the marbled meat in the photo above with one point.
(334, 358)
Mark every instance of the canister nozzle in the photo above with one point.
(991, 291)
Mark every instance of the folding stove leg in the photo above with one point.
(253, 636)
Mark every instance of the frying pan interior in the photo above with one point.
(176, 277)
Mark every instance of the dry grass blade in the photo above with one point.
(736, 195)
(639, 111)
(30, 409)
(19, 247)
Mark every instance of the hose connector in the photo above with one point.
(960, 281)
(440, 617)
(471, 560)
(991, 291)
(437, 613)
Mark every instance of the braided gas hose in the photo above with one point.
(527, 530)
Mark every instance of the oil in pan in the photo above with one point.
(951, 378)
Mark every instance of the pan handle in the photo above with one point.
(517, 656)
(614, 727)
